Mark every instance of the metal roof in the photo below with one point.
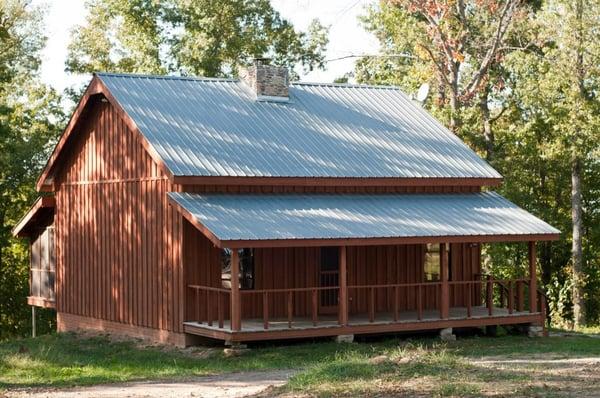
(214, 127)
(347, 216)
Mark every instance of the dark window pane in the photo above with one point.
(246, 277)
(330, 260)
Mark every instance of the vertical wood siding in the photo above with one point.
(278, 268)
(117, 238)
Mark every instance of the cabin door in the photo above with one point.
(329, 273)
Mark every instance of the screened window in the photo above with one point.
(246, 277)
(432, 264)
(43, 265)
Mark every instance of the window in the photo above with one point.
(432, 264)
(246, 277)
(43, 264)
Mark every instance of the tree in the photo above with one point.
(203, 37)
(29, 114)
(460, 43)
(575, 81)
(540, 94)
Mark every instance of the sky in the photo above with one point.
(346, 35)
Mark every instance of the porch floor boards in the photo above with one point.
(331, 321)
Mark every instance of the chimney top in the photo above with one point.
(268, 82)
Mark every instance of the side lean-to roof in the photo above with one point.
(199, 127)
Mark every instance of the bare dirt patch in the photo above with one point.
(226, 385)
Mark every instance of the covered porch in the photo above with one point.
(325, 285)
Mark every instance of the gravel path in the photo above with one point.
(225, 385)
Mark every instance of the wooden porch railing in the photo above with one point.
(291, 296)
(302, 305)
(205, 310)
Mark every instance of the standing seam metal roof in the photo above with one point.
(329, 216)
(214, 127)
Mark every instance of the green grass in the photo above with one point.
(425, 366)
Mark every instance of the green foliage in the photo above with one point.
(207, 37)
(539, 110)
(29, 114)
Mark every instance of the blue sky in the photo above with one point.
(346, 35)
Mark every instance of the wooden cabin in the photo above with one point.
(256, 209)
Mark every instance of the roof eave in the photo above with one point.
(43, 202)
(372, 241)
(339, 181)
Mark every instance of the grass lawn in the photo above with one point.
(554, 366)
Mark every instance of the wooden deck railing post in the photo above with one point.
(520, 304)
(290, 308)
(445, 296)
(236, 304)
(532, 278)
(396, 297)
(265, 310)
(371, 304)
(511, 296)
(343, 292)
(419, 303)
(209, 315)
(490, 295)
(198, 316)
(314, 307)
(220, 308)
(469, 293)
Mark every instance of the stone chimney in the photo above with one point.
(268, 82)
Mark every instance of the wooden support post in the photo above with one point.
(532, 278)
(343, 293)
(445, 296)
(236, 304)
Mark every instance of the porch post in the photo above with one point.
(236, 310)
(343, 276)
(532, 278)
(445, 299)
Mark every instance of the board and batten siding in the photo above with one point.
(117, 236)
(298, 267)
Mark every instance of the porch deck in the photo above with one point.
(328, 325)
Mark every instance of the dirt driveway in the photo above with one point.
(225, 385)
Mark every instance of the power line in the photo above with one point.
(372, 56)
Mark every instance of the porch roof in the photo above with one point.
(254, 220)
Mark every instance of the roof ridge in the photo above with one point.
(166, 77)
(348, 85)
(235, 80)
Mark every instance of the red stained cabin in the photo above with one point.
(256, 209)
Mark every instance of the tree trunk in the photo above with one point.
(455, 120)
(577, 252)
(488, 135)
